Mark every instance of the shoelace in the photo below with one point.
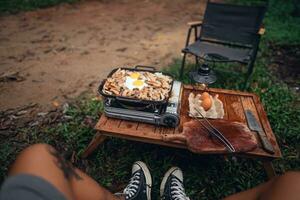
(133, 186)
(177, 190)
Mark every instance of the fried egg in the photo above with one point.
(135, 75)
(132, 83)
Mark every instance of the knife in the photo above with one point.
(254, 126)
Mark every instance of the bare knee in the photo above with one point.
(36, 150)
(290, 176)
(33, 155)
(43, 161)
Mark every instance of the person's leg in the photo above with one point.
(44, 161)
(286, 186)
(251, 194)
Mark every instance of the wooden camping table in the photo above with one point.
(235, 103)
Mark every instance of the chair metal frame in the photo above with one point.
(197, 25)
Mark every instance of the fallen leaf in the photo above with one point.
(122, 49)
(55, 103)
(98, 98)
(65, 108)
(11, 77)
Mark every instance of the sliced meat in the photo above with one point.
(199, 140)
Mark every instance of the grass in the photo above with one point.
(282, 20)
(206, 177)
(13, 6)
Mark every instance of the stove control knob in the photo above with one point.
(170, 120)
(107, 102)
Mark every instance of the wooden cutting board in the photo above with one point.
(198, 139)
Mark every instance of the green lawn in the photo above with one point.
(13, 6)
(206, 177)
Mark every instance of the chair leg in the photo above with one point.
(249, 74)
(182, 66)
(197, 61)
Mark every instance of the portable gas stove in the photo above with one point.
(166, 114)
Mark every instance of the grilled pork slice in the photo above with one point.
(198, 139)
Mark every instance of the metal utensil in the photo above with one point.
(215, 132)
(254, 126)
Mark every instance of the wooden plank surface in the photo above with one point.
(267, 127)
(248, 103)
(128, 125)
(222, 97)
(234, 102)
(235, 108)
(145, 129)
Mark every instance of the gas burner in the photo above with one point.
(167, 114)
(203, 75)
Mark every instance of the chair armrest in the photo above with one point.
(261, 30)
(195, 23)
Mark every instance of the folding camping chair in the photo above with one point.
(229, 33)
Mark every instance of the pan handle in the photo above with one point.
(145, 67)
(128, 100)
(174, 137)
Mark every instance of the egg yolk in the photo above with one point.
(138, 83)
(135, 75)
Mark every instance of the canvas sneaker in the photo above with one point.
(171, 187)
(139, 186)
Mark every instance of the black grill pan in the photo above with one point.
(130, 100)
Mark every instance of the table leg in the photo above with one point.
(267, 164)
(269, 168)
(98, 139)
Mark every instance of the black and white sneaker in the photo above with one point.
(171, 187)
(139, 187)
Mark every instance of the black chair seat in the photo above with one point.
(214, 52)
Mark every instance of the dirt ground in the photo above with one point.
(50, 55)
(284, 64)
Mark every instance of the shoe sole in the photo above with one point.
(147, 176)
(166, 176)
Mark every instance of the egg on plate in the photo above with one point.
(206, 103)
(211, 107)
(204, 95)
